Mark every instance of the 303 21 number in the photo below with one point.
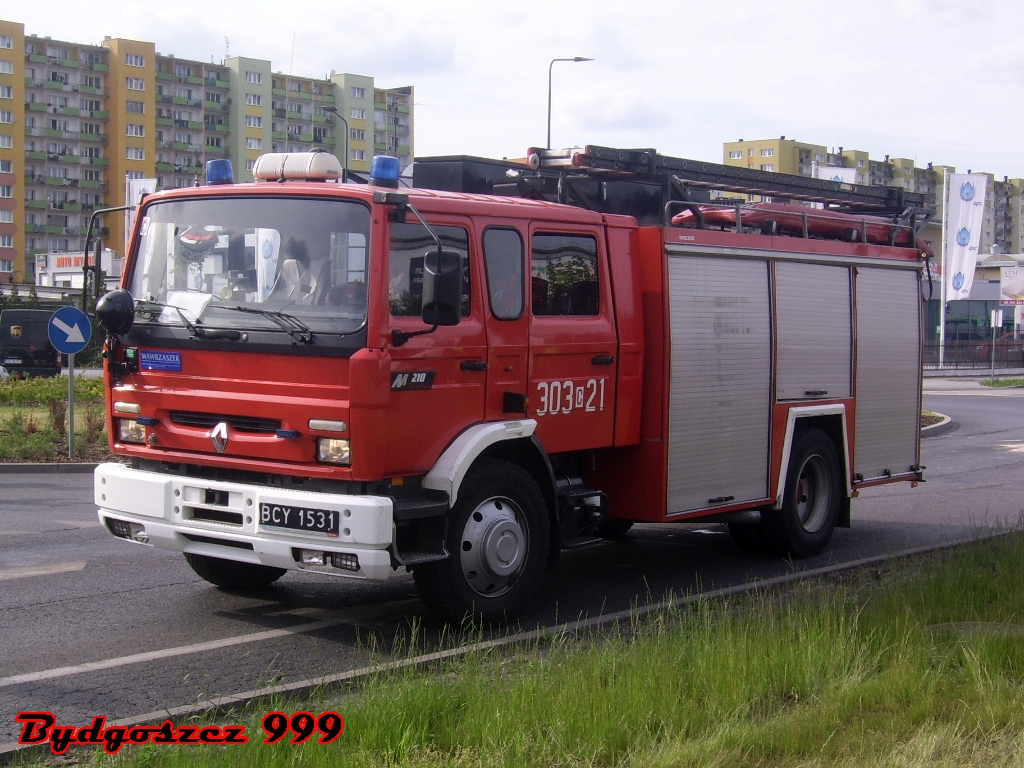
(568, 396)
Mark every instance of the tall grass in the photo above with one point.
(918, 663)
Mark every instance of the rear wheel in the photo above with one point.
(498, 541)
(231, 574)
(811, 502)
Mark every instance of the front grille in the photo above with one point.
(237, 423)
(214, 515)
(218, 542)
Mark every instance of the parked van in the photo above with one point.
(25, 348)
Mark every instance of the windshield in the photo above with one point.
(246, 263)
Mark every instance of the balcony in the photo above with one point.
(101, 161)
(91, 184)
(164, 76)
(35, 106)
(279, 135)
(164, 121)
(38, 58)
(100, 114)
(57, 181)
(194, 80)
(97, 67)
(195, 125)
(163, 167)
(35, 155)
(35, 229)
(35, 203)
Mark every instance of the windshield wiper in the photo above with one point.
(193, 330)
(295, 328)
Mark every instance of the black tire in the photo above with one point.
(231, 574)
(498, 541)
(812, 498)
(614, 528)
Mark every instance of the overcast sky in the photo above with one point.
(933, 80)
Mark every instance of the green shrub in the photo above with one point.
(40, 391)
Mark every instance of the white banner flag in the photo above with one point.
(836, 173)
(965, 214)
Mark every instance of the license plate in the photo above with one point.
(12, 361)
(297, 518)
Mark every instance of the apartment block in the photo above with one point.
(77, 121)
(1003, 229)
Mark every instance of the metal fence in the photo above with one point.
(975, 353)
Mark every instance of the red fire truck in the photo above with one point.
(462, 377)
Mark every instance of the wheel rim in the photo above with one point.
(813, 494)
(493, 547)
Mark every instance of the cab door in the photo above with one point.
(572, 350)
(508, 322)
(438, 377)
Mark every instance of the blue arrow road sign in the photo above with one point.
(69, 330)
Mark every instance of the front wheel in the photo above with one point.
(231, 574)
(812, 498)
(498, 540)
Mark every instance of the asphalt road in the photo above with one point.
(94, 626)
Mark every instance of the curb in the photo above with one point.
(944, 426)
(55, 468)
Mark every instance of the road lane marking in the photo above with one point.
(337, 618)
(25, 571)
(166, 653)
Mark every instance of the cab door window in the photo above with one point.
(409, 244)
(563, 274)
(503, 262)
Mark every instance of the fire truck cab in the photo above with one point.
(355, 379)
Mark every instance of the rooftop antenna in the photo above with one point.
(227, 46)
(291, 64)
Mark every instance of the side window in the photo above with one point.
(409, 244)
(564, 275)
(503, 260)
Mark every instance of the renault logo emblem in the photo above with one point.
(16, 331)
(219, 436)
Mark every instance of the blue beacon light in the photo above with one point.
(384, 171)
(219, 172)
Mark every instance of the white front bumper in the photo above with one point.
(176, 510)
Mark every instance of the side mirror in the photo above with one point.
(116, 311)
(442, 288)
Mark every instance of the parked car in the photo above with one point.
(4, 375)
(1006, 343)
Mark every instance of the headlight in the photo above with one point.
(130, 431)
(333, 450)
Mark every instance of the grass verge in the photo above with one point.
(1003, 382)
(920, 662)
(34, 424)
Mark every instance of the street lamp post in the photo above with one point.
(344, 161)
(550, 66)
